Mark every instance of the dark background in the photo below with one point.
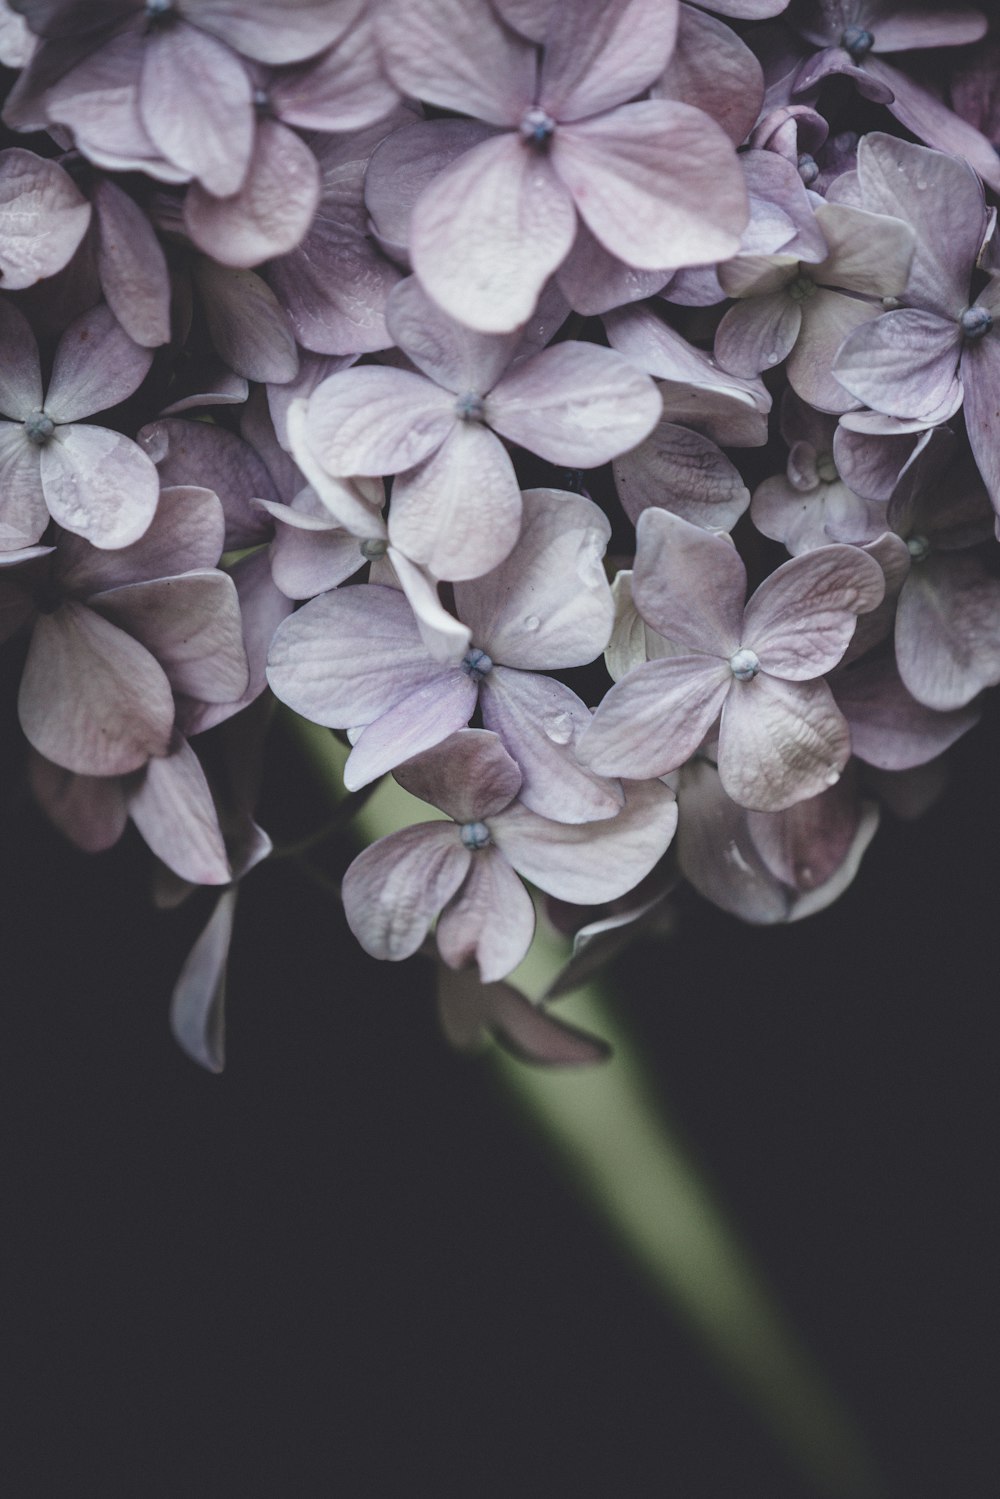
(347, 1267)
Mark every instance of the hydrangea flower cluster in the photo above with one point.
(588, 409)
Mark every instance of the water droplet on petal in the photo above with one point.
(531, 623)
(771, 356)
(832, 777)
(558, 727)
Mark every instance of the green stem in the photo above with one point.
(608, 1126)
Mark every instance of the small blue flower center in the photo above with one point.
(744, 665)
(808, 169)
(470, 407)
(372, 547)
(918, 547)
(38, 428)
(537, 128)
(477, 664)
(975, 322)
(262, 103)
(475, 835)
(801, 289)
(857, 41)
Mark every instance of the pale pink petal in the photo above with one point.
(202, 454)
(456, 54)
(539, 721)
(595, 281)
(444, 636)
(310, 553)
(187, 532)
(576, 404)
(948, 630)
(90, 811)
(447, 352)
(395, 887)
(905, 363)
(43, 218)
(343, 89)
(758, 333)
(491, 920)
(459, 512)
(638, 174)
(870, 464)
(191, 624)
(346, 500)
(548, 605)
(780, 742)
(377, 420)
(655, 719)
(404, 164)
(196, 103)
(590, 863)
(933, 122)
(828, 320)
(713, 69)
(598, 54)
(689, 584)
(92, 699)
(283, 31)
(173, 809)
(470, 776)
(271, 211)
(489, 231)
(23, 512)
(889, 728)
(246, 323)
(681, 471)
(197, 1005)
(20, 370)
(96, 366)
(801, 618)
(132, 266)
(99, 484)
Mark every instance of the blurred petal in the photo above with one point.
(780, 742)
(90, 811)
(470, 776)
(196, 102)
(889, 728)
(132, 266)
(598, 53)
(197, 1004)
(948, 630)
(174, 811)
(395, 887)
(932, 121)
(247, 325)
(272, 210)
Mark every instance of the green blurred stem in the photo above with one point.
(608, 1126)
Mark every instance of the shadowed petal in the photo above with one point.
(490, 921)
(470, 776)
(828, 320)
(405, 163)
(23, 512)
(758, 333)
(195, 101)
(681, 471)
(488, 232)
(889, 728)
(198, 453)
(174, 811)
(395, 887)
(539, 721)
(718, 855)
(654, 719)
(713, 69)
(638, 174)
(99, 484)
(590, 863)
(981, 384)
(598, 53)
(197, 1004)
(185, 534)
(91, 811)
(343, 89)
(248, 326)
(920, 111)
(468, 1008)
(805, 845)
(688, 584)
(447, 352)
(43, 218)
(96, 366)
(132, 266)
(283, 31)
(92, 699)
(20, 370)
(948, 630)
(801, 619)
(780, 742)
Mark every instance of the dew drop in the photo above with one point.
(531, 623)
(832, 777)
(558, 727)
(771, 356)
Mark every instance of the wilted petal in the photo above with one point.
(598, 54)
(272, 210)
(246, 323)
(905, 363)
(197, 1015)
(801, 619)
(548, 605)
(191, 624)
(575, 404)
(889, 728)
(948, 630)
(539, 721)
(654, 719)
(637, 176)
(174, 811)
(489, 231)
(681, 471)
(470, 776)
(96, 366)
(780, 742)
(196, 103)
(43, 218)
(758, 333)
(20, 370)
(689, 584)
(590, 863)
(92, 699)
(490, 921)
(90, 811)
(99, 484)
(456, 54)
(132, 266)
(395, 887)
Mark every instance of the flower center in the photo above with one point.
(372, 547)
(975, 321)
(262, 103)
(38, 428)
(470, 408)
(475, 835)
(802, 289)
(744, 665)
(477, 664)
(918, 547)
(537, 128)
(857, 41)
(808, 169)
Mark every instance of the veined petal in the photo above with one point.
(780, 742)
(174, 811)
(99, 484)
(377, 420)
(43, 218)
(96, 366)
(680, 470)
(422, 720)
(599, 54)
(801, 618)
(905, 363)
(92, 699)
(20, 369)
(457, 54)
(593, 862)
(638, 174)
(948, 630)
(395, 887)
(470, 776)
(828, 320)
(654, 719)
(270, 212)
(195, 101)
(689, 584)
(491, 920)
(488, 232)
(576, 404)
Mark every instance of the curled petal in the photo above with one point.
(197, 1015)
